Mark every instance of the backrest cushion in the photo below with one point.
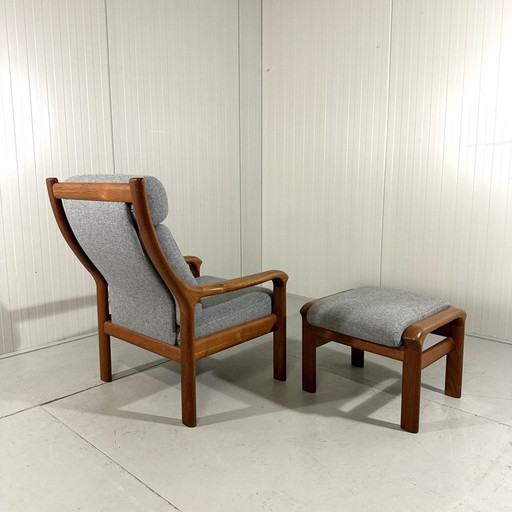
(106, 231)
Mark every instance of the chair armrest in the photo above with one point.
(415, 334)
(278, 277)
(195, 264)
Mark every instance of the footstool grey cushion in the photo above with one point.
(373, 314)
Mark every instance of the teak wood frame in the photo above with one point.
(449, 323)
(190, 348)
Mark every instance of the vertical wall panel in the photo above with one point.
(325, 84)
(54, 121)
(448, 204)
(175, 106)
(383, 154)
(250, 134)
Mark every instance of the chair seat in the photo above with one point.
(379, 315)
(233, 308)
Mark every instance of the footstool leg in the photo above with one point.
(411, 390)
(308, 358)
(357, 357)
(454, 358)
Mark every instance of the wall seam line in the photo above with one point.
(109, 79)
(386, 140)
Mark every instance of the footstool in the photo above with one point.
(392, 323)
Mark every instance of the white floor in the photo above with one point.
(70, 442)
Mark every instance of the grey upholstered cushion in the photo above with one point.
(178, 263)
(139, 300)
(173, 254)
(373, 314)
(230, 309)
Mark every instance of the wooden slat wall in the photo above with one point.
(250, 39)
(387, 149)
(54, 121)
(175, 115)
(96, 86)
(385, 138)
(448, 203)
(325, 84)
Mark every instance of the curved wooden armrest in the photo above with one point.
(195, 264)
(416, 333)
(278, 277)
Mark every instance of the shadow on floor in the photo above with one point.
(244, 376)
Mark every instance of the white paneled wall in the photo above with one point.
(448, 202)
(387, 149)
(175, 112)
(325, 85)
(348, 142)
(250, 135)
(54, 121)
(96, 86)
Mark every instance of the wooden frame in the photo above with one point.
(449, 323)
(191, 348)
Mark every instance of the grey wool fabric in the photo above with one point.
(375, 314)
(139, 300)
(232, 308)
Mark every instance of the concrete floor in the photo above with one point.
(70, 442)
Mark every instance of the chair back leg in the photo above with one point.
(308, 357)
(104, 338)
(357, 357)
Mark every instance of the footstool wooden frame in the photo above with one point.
(448, 323)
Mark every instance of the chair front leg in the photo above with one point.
(454, 360)
(188, 365)
(188, 389)
(280, 353)
(280, 333)
(411, 390)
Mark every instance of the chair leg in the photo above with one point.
(104, 338)
(188, 390)
(280, 353)
(411, 390)
(105, 356)
(357, 357)
(308, 358)
(279, 308)
(454, 361)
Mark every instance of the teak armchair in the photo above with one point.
(148, 294)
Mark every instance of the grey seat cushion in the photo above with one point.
(232, 308)
(380, 315)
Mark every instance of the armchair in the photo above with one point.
(148, 294)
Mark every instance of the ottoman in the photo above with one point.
(391, 323)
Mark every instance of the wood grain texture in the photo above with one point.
(114, 192)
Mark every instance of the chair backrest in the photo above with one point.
(107, 232)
